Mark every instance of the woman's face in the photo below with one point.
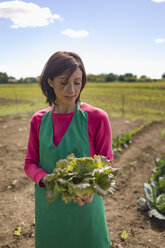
(67, 91)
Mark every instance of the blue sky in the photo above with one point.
(117, 36)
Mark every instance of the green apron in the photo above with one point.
(60, 225)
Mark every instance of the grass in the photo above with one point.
(23, 98)
(129, 100)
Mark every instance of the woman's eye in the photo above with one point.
(77, 83)
(63, 83)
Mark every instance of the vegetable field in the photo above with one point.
(137, 115)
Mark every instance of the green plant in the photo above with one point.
(155, 191)
(79, 176)
(125, 139)
(121, 141)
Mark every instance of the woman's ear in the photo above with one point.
(50, 82)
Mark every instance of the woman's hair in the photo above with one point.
(60, 63)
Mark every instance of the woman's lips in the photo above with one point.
(69, 97)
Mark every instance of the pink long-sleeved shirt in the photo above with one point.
(99, 133)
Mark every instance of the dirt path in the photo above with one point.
(122, 212)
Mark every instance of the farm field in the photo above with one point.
(129, 100)
(128, 106)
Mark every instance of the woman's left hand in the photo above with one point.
(81, 201)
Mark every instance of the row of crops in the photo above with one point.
(154, 189)
(125, 139)
(154, 202)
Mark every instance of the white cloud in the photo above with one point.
(158, 1)
(75, 34)
(23, 14)
(159, 40)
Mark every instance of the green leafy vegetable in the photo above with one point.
(155, 191)
(80, 176)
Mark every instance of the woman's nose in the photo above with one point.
(71, 88)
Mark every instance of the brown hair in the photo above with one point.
(60, 63)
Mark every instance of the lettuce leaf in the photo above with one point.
(80, 176)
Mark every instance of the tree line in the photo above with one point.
(5, 79)
(127, 77)
(111, 77)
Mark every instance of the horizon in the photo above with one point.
(138, 77)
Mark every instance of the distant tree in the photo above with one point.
(20, 81)
(30, 80)
(121, 78)
(27, 80)
(129, 77)
(3, 78)
(163, 76)
(144, 78)
(91, 78)
(96, 78)
(111, 77)
(100, 77)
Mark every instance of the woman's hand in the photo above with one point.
(76, 199)
(81, 201)
(42, 181)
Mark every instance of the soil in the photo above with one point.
(122, 211)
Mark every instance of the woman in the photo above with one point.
(67, 126)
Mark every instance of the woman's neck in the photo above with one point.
(59, 109)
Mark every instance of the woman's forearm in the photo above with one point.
(34, 172)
